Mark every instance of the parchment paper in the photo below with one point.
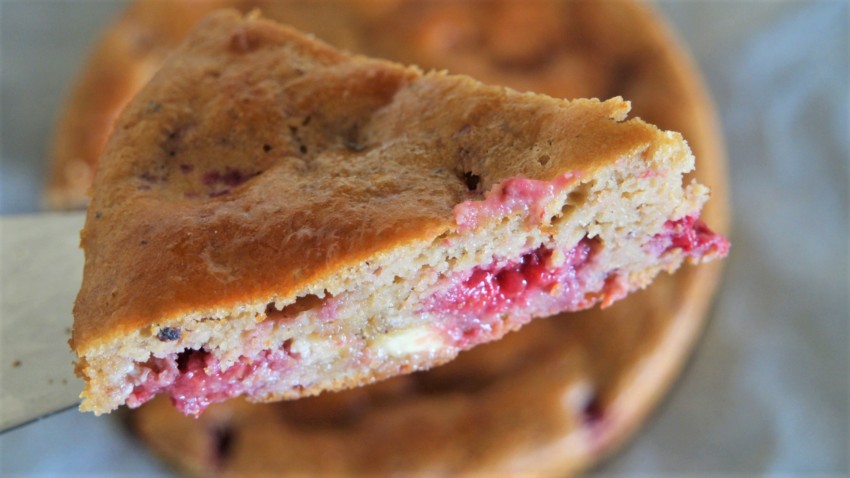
(767, 391)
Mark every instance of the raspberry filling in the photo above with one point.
(692, 236)
(194, 378)
(508, 196)
(475, 303)
(476, 299)
(471, 307)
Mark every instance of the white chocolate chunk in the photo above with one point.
(413, 340)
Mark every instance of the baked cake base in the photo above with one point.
(553, 397)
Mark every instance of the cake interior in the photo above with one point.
(524, 249)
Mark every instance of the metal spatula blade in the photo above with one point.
(41, 267)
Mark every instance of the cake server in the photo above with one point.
(41, 266)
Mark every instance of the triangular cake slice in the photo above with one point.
(274, 218)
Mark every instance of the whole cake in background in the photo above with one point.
(623, 49)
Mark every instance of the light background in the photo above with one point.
(767, 391)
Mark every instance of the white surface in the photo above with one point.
(767, 392)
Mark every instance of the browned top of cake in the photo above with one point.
(565, 49)
(259, 160)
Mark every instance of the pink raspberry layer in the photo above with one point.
(475, 302)
(194, 378)
(691, 236)
(472, 308)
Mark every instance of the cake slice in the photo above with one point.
(274, 218)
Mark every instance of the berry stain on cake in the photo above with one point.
(477, 300)
(222, 182)
(194, 379)
(690, 235)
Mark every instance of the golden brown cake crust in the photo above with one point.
(610, 48)
(207, 198)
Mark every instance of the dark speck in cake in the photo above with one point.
(167, 334)
(471, 180)
(186, 168)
